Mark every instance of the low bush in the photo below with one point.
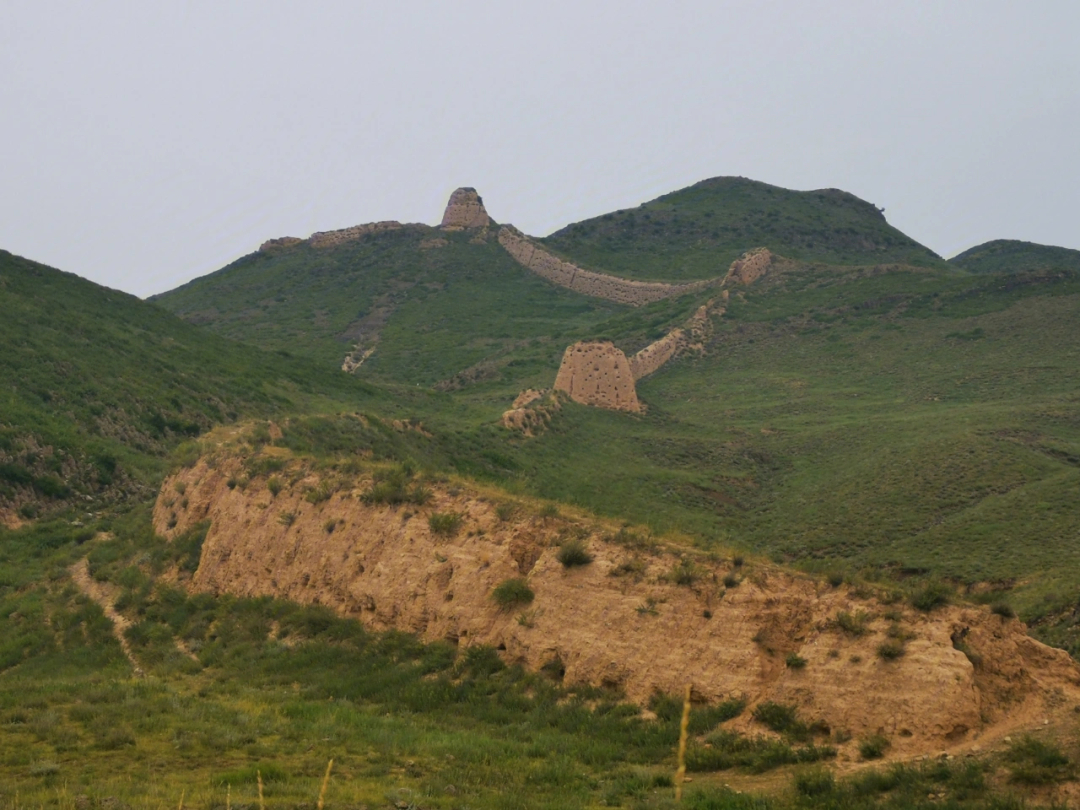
(511, 593)
(755, 754)
(1037, 762)
(933, 595)
(445, 523)
(781, 718)
(795, 661)
(274, 485)
(683, 573)
(573, 553)
(817, 781)
(1003, 609)
(890, 650)
(396, 486)
(874, 746)
(854, 624)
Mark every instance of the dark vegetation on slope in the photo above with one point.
(698, 231)
(1013, 256)
(99, 385)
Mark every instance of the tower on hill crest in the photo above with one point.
(465, 210)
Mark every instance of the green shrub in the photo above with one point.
(683, 573)
(573, 553)
(287, 518)
(395, 486)
(1003, 609)
(817, 781)
(890, 650)
(445, 523)
(1037, 762)
(781, 718)
(274, 485)
(795, 661)
(835, 579)
(511, 593)
(755, 754)
(731, 581)
(505, 510)
(934, 595)
(874, 746)
(316, 495)
(330, 525)
(854, 624)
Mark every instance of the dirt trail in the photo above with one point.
(105, 595)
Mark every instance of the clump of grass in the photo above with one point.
(854, 624)
(933, 595)
(287, 518)
(573, 553)
(511, 593)
(1037, 762)
(396, 486)
(630, 567)
(684, 573)
(731, 581)
(815, 782)
(781, 718)
(890, 650)
(505, 510)
(757, 755)
(317, 494)
(874, 746)
(1003, 609)
(795, 661)
(330, 525)
(274, 485)
(835, 579)
(737, 561)
(445, 524)
(549, 510)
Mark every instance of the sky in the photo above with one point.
(146, 144)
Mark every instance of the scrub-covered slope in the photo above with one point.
(99, 385)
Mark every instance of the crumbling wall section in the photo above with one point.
(557, 271)
(598, 374)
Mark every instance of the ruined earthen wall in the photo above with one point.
(465, 210)
(598, 374)
(649, 359)
(586, 282)
(273, 245)
(326, 239)
(390, 571)
(750, 267)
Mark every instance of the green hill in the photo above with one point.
(440, 309)
(698, 231)
(99, 386)
(1012, 256)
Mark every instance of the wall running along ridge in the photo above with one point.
(586, 282)
(465, 210)
(598, 374)
(390, 571)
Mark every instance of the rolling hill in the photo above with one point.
(1012, 256)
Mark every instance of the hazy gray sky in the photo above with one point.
(144, 144)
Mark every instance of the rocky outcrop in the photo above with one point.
(751, 266)
(279, 244)
(964, 675)
(557, 271)
(328, 239)
(598, 374)
(465, 210)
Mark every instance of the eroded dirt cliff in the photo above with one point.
(963, 675)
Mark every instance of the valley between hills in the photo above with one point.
(466, 511)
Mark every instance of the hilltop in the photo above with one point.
(1013, 256)
(698, 231)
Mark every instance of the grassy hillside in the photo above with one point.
(99, 385)
(430, 313)
(698, 231)
(1012, 256)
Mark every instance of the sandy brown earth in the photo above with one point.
(966, 677)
